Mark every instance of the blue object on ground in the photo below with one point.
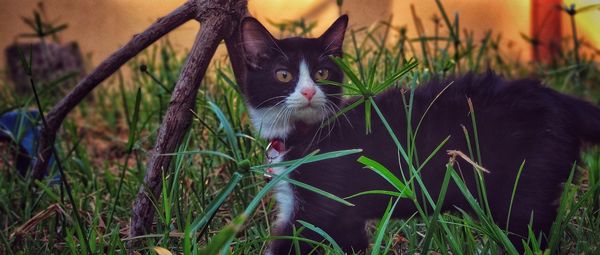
(20, 127)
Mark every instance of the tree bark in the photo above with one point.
(139, 42)
(219, 20)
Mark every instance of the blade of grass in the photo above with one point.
(318, 191)
(387, 175)
(336, 246)
(432, 226)
(382, 226)
(514, 191)
(315, 158)
(214, 205)
(231, 137)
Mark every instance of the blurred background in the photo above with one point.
(100, 27)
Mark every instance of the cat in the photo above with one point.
(517, 121)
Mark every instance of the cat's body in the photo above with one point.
(518, 121)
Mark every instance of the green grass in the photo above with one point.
(214, 198)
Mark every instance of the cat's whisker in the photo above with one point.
(288, 115)
(270, 99)
(280, 115)
(314, 137)
(337, 109)
(336, 96)
(336, 121)
(322, 124)
(276, 106)
(343, 114)
(273, 123)
(328, 111)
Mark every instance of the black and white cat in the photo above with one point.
(516, 121)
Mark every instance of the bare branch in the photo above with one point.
(139, 42)
(219, 20)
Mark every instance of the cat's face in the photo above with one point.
(283, 85)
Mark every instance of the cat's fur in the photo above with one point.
(517, 121)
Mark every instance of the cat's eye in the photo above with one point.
(321, 74)
(283, 76)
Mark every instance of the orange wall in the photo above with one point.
(101, 26)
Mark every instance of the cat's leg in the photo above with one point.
(284, 236)
(351, 237)
(287, 209)
(347, 229)
(281, 245)
(519, 230)
(541, 215)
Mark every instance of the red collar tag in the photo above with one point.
(278, 145)
(274, 150)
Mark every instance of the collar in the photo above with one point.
(274, 149)
(277, 145)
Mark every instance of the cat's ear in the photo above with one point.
(333, 38)
(256, 40)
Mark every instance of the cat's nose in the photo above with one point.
(308, 92)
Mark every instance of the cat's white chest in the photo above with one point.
(284, 194)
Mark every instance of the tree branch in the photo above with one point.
(139, 42)
(219, 19)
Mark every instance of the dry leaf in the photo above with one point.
(162, 251)
(454, 153)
